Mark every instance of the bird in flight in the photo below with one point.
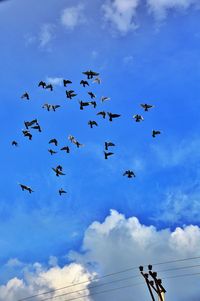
(66, 82)
(91, 123)
(104, 98)
(83, 104)
(146, 107)
(14, 143)
(129, 174)
(61, 191)
(37, 127)
(107, 154)
(53, 141)
(58, 171)
(102, 113)
(97, 80)
(90, 74)
(30, 123)
(42, 84)
(46, 106)
(93, 103)
(51, 151)
(155, 133)
(55, 107)
(27, 134)
(70, 94)
(65, 148)
(111, 116)
(24, 187)
(49, 86)
(108, 144)
(92, 95)
(138, 118)
(84, 83)
(25, 95)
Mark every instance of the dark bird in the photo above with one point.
(146, 107)
(111, 116)
(129, 174)
(25, 95)
(65, 148)
(70, 94)
(106, 155)
(104, 98)
(84, 83)
(90, 74)
(93, 103)
(14, 143)
(92, 95)
(46, 106)
(91, 123)
(154, 133)
(58, 171)
(66, 82)
(83, 104)
(61, 191)
(97, 80)
(37, 127)
(54, 107)
(138, 118)
(108, 144)
(30, 123)
(102, 113)
(78, 144)
(27, 134)
(71, 138)
(24, 187)
(42, 84)
(49, 86)
(53, 141)
(51, 151)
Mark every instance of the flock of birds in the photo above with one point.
(70, 94)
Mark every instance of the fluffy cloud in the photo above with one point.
(160, 7)
(46, 35)
(57, 81)
(115, 244)
(72, 16)
(121, 13)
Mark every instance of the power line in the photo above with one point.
(107, 275)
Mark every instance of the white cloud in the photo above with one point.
(73, 16)
(160, 7)
(46, 35)
(57, 81)
(121, 14)
(114, 244)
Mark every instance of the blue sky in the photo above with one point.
(145, 51)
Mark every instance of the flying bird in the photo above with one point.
(111, 116)
(61, 191)
(53, 141)
(70, 94)
(83, 104)
(65, 148)
(58, 171)
(91, 123)
(46, 106)
(71, 138)
(66, 82)
(84, 83)
(37, 127)
(155, 133)
(97, 80)
(14, 143)
(27, 134)
(30, 123)
(42, 84)
(108, 144)
(104, 98)
(25, 95)
(102, 113)
(129, 174)
(90, 74)
(49, 86)
(106, 155)
(92, 95)
(146, 107)
(55, 107)
(51, 151)
(93, 103)
(24, 187)
(138, 118)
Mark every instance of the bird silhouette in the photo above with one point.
(49, 87)
(46, 106)
(30, 123)
(138, 118)
(42, 84)
(27, 134)
(65, 148)
(90, 74)
(51, 151)
(108, 144)
(155, 133)
(53, 141)
(14, 143)
(107, 154)
(93, 103)
(102, 113)
(58, 171)
(37, 127)
(24, 187)
(84, 83)
(146, 107)
(129, 174)
(66, 82)
(83, 104)
(70, 94)
(104, 98)
(97, 80)
(91, 123)
(55, 107)
(25, 95)
(111, 116)
(92, 95)
(61, 191)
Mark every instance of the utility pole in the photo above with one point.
(154, 285)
